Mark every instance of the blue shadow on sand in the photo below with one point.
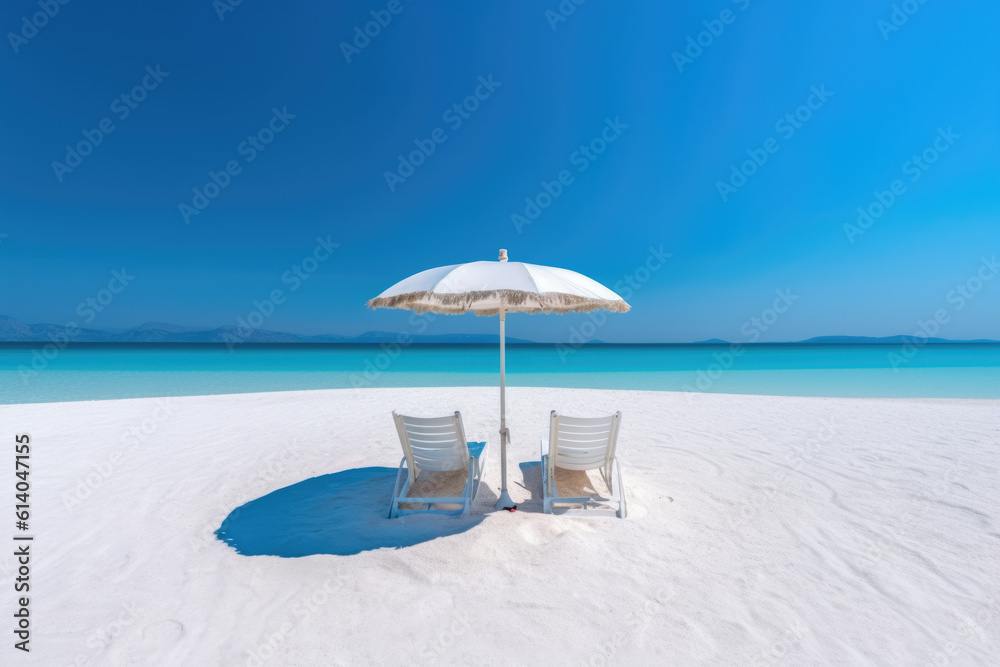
(342, 513)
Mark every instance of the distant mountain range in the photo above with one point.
(859, 340)
(886, 340)
(14, 331)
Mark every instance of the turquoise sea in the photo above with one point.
(32, 373)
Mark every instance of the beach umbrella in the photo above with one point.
(498, 288)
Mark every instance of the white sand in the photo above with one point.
(761, 530)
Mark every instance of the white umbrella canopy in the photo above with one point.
(497, 288)
(483, 287)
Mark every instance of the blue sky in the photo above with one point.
(553, 86)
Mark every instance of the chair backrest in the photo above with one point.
(435, 443)
(582, 443)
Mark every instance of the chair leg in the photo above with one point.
(467, 493)
(399, 489)
(619, 490)
(547, 492)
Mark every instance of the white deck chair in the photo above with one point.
(435, 444)
(577, 443)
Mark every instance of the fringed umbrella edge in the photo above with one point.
(514, 302)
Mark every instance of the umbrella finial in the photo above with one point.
(503, 255)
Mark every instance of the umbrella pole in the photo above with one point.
(504, 502)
